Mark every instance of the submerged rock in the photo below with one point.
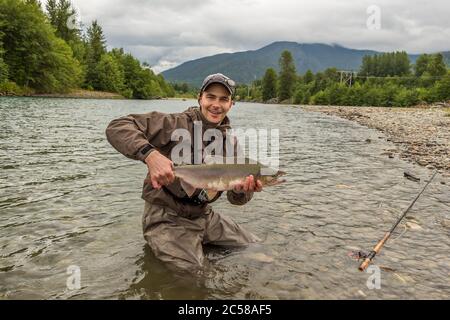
(410, 176)
(361, 293)
(259, 256)
(445, 223)
(413, 225)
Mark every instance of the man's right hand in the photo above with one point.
(160, 169)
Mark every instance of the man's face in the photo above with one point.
(215, 102)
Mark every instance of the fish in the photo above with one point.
(216, 177)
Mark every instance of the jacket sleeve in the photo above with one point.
(136, 135)
(239, 199)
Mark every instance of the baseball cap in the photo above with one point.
(219, 78)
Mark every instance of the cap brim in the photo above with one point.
(219, 82)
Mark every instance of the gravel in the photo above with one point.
(421, 135)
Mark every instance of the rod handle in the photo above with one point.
(363, 266)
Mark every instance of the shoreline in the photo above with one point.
(80, 94)
(421, 135)
(86, 94)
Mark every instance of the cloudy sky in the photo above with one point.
(166, 33)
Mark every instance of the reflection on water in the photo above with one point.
(155, 281)
(67, 198)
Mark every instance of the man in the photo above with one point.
(176, 226)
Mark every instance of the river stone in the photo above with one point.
(413, 226)
(445, 223)
(259, 256)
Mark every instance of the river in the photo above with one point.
(69, 201)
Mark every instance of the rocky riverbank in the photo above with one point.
(421, 135)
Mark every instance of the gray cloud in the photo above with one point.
(166, 33)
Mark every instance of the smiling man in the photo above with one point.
(215, 98)
(175, 225)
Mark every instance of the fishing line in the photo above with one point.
(388, 234)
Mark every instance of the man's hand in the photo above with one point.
(249, 185)
(160, 169)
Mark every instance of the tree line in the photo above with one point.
(387, 79)
(46, 51)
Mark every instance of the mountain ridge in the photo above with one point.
(246, 66)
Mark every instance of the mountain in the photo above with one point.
(244, 67)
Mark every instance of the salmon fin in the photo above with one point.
(211, 194)
(189, 189)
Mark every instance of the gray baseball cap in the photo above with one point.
(219, 78)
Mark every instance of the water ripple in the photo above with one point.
(68, 198)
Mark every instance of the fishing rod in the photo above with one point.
(388, 234)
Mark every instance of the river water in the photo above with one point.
(69, 202)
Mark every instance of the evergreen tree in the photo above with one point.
(109, 75)
(320, 98)
(269, 85)
(287, 76)
(3, 71)
(421, 64)
(184, 87)
(302, 94)
(402, 65)
(52, 12)
(34, 55)
(386, 65)
(36, 3)
(426, 80)
(365, 68)
(37, 50)
(309, 77)
(331, 75)
(139, 81)
(95, 49)
(436, 65)
(442, 88)
(3, 66)
(319, 83)
(406, 97)
(129, 66)
(167, 89)
(63, 17)
(96, 41)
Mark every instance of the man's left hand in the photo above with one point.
(249, 185)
